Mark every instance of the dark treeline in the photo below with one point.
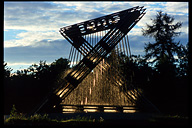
(161, 74)
(27, 87)
(169, 92)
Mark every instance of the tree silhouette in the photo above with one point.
(183, 57)
(27, 87)
(163, 31)
(170, 61)
(7, 70)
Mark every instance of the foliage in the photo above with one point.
(32, 84)
(7, 70)
(20, 119)
(13, 111)
(163, 31)
(79, 118)
(169, 60)
(44, 120)
(183, 57)
(14, 116)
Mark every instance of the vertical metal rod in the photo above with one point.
(101, 35)
(70, 53)
(95, 39)
(80, 57)
(91, 39)
(72, 56)
(123, 46)
(120, 47)
(126, 46)
(87, 39)
(77, 57)
(117, 50)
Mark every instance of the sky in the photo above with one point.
(31, 29)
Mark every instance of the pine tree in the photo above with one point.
(163, 50)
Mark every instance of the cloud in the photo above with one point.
(137, 43)
(30, 16)
(20, 63)
(54, 50)
(47, 16)
(179, 7)
(36, 26)
(23, 57)
(42, 20)
(31, 38)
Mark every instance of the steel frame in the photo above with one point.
(118, 24)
